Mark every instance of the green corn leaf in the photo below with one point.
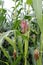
(20, 44)
(16, 6)
(2, 11)
(29, 2)
(17, 60)
(4, 62)
(11, 42)
(27, 17)
(16, 24)
(5, 52)
(3, 35)
(19, 11)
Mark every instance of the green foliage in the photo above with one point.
(16, 6)
(1, 2)
(2, 15)
(37, 6)
(5, 52)
(18, 41)
(2, 19)
(17, 60)
(27, 17)
(13, 43)
(4, 62)
(29, 2)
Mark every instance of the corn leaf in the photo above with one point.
(4, 62)
(20, 44)
(5, 52)
(29, 2)
(3, 35)
(11, 42)
(17, 60)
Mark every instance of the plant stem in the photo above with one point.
(26, 51)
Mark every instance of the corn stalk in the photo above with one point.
(26, 49)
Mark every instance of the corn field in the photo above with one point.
(21, 33)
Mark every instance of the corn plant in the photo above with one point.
(37, 5)
(21, 44)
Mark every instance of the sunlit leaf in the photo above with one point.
(3, 35)
(29, 2)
